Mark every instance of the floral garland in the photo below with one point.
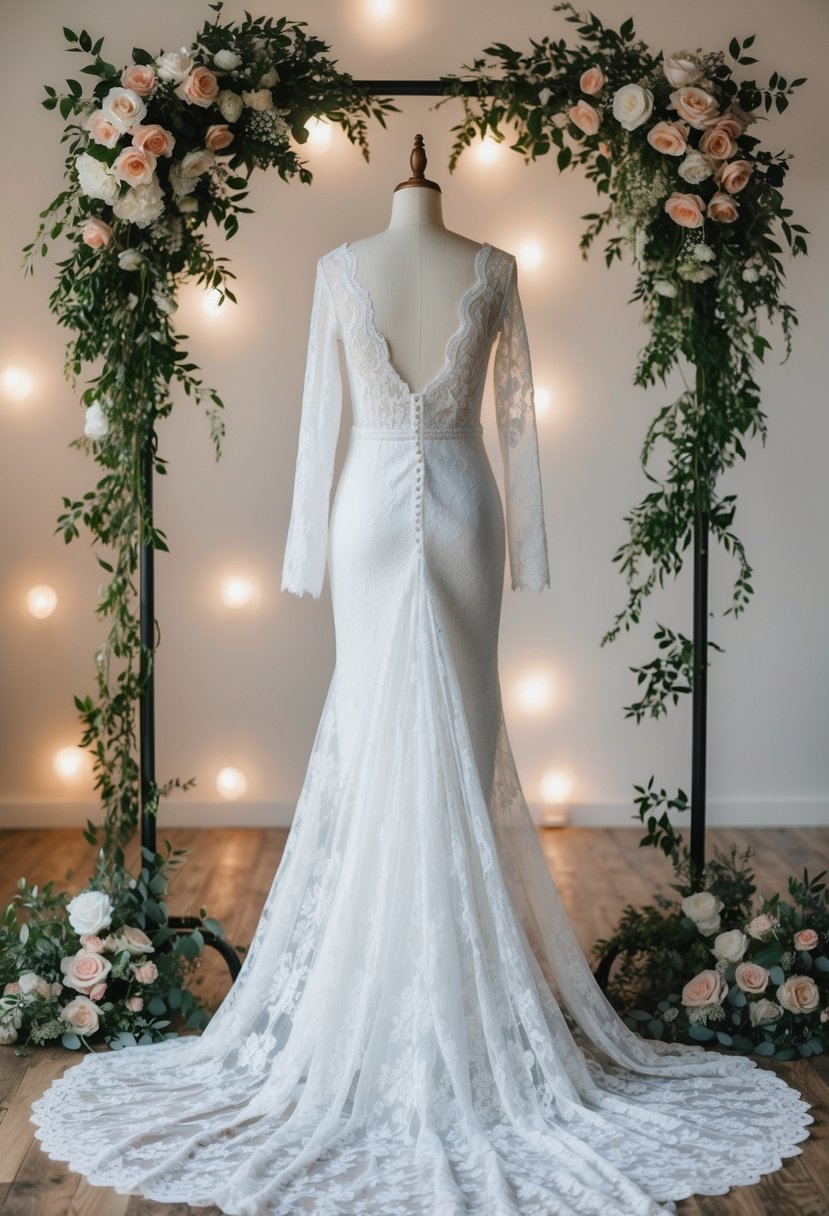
(713, 967)
(667, 140)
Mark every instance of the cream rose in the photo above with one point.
(82, 1015)
(31, 986)
(96, 234)
(95, 179)
(681, 68)
(90, 911)
(805, 939)
(632, 105)
(586, 117)
(258, 99)
(145, 973)
(763, 1011)
(98, 992)
(141, 205)
(175, 65)
(123, 108)
(707, 988)
(695, 167)
(128, 259)
(102, 130)
(84, 970)
(135, 166)
(703, 908)
(134, 940)
(12, 988)
(592, 81)
(723, 208)
(717, 142)
(687, 211)
(269, 79)
(734, 175)
(90, 941)
(217, 137)
(751, 977)
(154, 138)
(799, 994)
(95, 425)
(201, 88)
(730, 947)
(762, 926)
(139, 77)
(227, 61)
(230, 105)
(697, 106)
(671, 138)
(135, 1003)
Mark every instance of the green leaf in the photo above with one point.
(639, 1015)
(764, 1049)
(71, 1041)
(724, 1038)
(156, 1005)
(822, 963)
(701, 1033)
(776, 975)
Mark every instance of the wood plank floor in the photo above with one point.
(230, 871)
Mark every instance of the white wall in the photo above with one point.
(246, 689)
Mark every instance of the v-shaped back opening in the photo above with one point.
(461, 312)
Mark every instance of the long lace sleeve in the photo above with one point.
(518, 438)
(306, 547)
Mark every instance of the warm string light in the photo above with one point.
(319, 133)
(69, 762)
(17, 383)
(383, 10)
(211, 302)
(556, 793)
(41, 601)
(543, 398)
(237, 592)
(231, 783)
(534, 692)
(487, 149)
(530, 255)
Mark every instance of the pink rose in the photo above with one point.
(135, 1003)
(140, 78)
(586, 117)
(90, 941)
(134, 166)
(82, 1015)
(806, 939)
(824, 1014)
(145, 973)
(717, 142)
(799, 994)
(153, 138)
(96, 234)
(722, 208)
(102, 130)
(696, 106)
(201, 88)
(751, 977)
(12, 989)
(592, 81)
(686, 209)
(218, 137)
(97, 993)
(669, 137)
(734, 175)
(761, 926)
(604, 148)
(84, 970)
(732, 123)
(707, 988)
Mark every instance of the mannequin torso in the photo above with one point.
(416, 272)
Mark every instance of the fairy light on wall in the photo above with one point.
(556, 794)
(543, 398)
(487, 149)
(231, 783)
(383, 10)
(530, 255)
(16, 383)
(69, 762)
(319, 133)
(41, 601)
(211, 302)
(237, 592)
(534, 692)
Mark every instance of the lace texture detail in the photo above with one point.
(415, 1030)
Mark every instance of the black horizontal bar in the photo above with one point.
(415, 88)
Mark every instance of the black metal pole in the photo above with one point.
(699, 691)
(147, 634)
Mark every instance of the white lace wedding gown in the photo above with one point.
(396, 1044)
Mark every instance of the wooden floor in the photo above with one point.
(230, 871)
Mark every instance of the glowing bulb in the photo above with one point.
(543, 399)
(382, 9)
(534, 692)
(236, 592)
(319, 133)
(17, 383)
(531, 255)
(212, 302)
(69, 761)
(556, 787)
(487, 149)
(41, 601)
(231, 783)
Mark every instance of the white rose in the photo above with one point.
(90, 911)
(270, 78)
(95, 179)
(632, 105)
(141, 205)
(95, 424)
(196, 162)
(698, 274)
(695, 167)
(230, 105)
(8, 1034)
(751, 274)
(82, 1015)
(123, 108)
(664, 287)
(28, 982)
(704, 253)
(259, 99)
(164, 303)
(763, 1011)
(730, 947)
(130, 259)
(701, 906)
(681, 68)
(227, 61)
(175, 65)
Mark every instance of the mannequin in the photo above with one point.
(416, 271)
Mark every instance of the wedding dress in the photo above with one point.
(415, 1030)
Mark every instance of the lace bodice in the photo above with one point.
(342, 310)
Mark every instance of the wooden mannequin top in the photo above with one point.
(416, 272)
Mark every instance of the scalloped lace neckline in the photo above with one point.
(462, 312)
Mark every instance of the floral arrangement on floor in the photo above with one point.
(671, 141)
(103, 966)
(718, 965)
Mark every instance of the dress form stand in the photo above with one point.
(416, 271)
